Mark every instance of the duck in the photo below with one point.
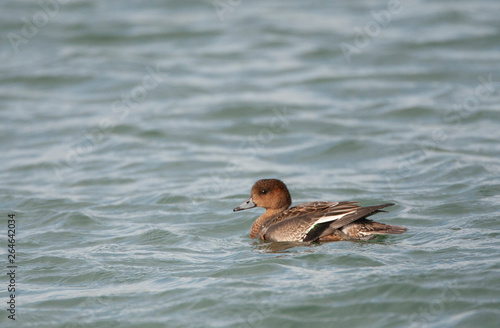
(318, 221)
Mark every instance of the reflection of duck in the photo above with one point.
(313, 221)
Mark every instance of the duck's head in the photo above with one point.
(269, 194)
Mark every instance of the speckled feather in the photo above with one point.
(296, 221)
(300, 222)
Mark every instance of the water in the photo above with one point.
(129, 132)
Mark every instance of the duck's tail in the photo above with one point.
(364, 228)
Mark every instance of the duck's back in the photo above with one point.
(326, 221)
(296, 222)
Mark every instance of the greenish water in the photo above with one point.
(130, 130)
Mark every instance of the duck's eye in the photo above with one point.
(263, 192)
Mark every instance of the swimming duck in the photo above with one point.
(312, 221)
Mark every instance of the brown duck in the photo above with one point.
(312, 221)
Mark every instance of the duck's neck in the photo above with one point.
(263, 219)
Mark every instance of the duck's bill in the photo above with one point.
(245, 206)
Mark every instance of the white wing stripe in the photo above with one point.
(328, 219)
(331, 218)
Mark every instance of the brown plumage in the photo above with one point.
(313, 221)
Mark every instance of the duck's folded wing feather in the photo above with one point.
(295, 223)
(361, 212)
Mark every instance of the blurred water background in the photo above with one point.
(129, 131)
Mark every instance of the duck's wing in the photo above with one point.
(306, 222)
(324, 229)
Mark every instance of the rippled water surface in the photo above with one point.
(130, 130)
